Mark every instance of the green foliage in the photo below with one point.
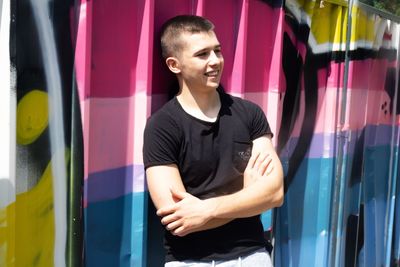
(390, 6)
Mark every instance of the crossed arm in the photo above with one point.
(183, 213)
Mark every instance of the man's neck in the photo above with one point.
(202, 105)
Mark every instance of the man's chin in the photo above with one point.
(213, 85)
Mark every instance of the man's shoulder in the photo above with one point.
(167, 110)
(167, 114)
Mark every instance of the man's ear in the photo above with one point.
(173, 64)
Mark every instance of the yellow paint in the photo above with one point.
(340, 18)
(337, 2)
(321, 23)
(27, 226)
(32, 116)
(329, 23)
(309, 7)
(358, 26)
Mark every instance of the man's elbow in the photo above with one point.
(274, 200)
(279, 194)
(279, 198)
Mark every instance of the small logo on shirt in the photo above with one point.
(245, 155)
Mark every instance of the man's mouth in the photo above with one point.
(213, 73)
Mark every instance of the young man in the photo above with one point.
(210, 164)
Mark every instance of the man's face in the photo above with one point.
(201, 61)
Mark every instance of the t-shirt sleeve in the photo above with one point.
(259, 123)
(161, 141)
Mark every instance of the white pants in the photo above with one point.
(260, 258)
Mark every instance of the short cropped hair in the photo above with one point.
(173, 28)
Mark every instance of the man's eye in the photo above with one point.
(202, 54)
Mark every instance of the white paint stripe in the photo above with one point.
(7, 111)
(56, 125)
(1, 8)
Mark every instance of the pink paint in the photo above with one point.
(334, 76)
(226, 28)
(327, 111)
(83, 49)
(143, 65)
(200, 8)
(109, 134)
(261, 45)
(115, 47)
(141, 110)
(162, 78)
(363, 107)
(356, 109)
(357, 74)
(277, 78)
(113, 137)
(271, 104)
(358, 70)
(377, 103)
(237, 81)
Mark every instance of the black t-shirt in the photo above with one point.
(211, 158)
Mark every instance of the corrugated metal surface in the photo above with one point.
(338, 139)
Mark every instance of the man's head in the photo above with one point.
(192, 51)
(171, 42)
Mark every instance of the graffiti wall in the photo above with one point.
(339, 136)
(40, 212)
(83, 77)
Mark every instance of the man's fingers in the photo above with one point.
(270, 168)
(169, 219)
(263, 166)
(252, 160)
(180, 231)
(173, 225)
(166, 210)
(260, 159)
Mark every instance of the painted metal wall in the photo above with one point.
(83, 77)
(339, 136)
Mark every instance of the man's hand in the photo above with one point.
(259, 164)
(185, 216)
(162, 197)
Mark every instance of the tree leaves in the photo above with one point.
(390, 6)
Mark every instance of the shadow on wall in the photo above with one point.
(6, 191)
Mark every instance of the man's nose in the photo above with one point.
(215, 58)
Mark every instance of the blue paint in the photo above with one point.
(303, 224)
(113, 183)
(303, 220)
(376, 173)
(115, 232)
(396, 232)
(266, 219)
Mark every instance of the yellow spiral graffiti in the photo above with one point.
(28, 226)
(32, 116)
(27, 230)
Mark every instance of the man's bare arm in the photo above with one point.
(263, 190)
(163, 182)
